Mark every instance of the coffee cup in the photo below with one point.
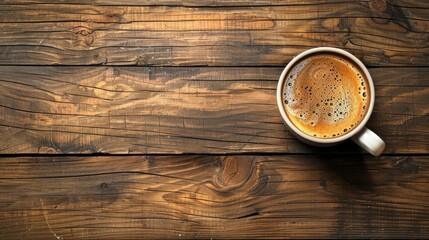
(325, 96)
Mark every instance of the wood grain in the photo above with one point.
(381, 33)
(183, 110)
(214, 197)
(269, 186)
(216, 3)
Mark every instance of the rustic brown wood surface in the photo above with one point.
(174, 101)
(217, 3)
(213, 197)
(183, 110)
(380, 33)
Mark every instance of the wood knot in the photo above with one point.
(106, 188)
(378, 5)
(83, 36)
(114, 17)
(81, 30)
(234, 172)
(384, 60)
(111, 87)
(235, 180)
(108, 193)
(239, 175)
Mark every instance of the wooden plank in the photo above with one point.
(216, 3)
(183, 110)
(43, 34)
(123, 197)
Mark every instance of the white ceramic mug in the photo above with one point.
(361, 135)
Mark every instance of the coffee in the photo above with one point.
(325, 95)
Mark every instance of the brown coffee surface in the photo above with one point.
(325, 95)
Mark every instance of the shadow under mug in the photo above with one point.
(361, 135)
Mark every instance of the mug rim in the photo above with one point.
(300, 133)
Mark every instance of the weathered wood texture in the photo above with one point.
(379, 32)
(216, 3)
(183, 110)
(126, 197)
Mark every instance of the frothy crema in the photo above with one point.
(325, 95)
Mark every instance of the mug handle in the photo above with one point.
(369, 141)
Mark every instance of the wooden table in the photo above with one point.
(158, 119)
